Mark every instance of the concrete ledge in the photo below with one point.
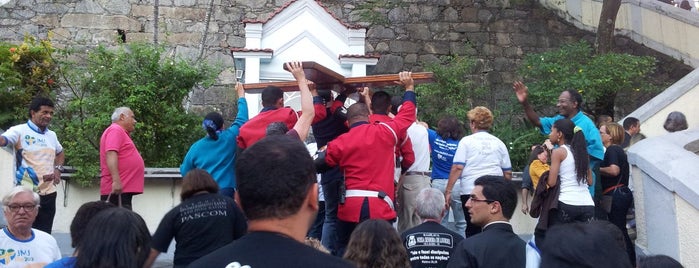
(665, 160)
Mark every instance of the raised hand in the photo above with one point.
(240, 90)
(521, 91)
(296, 69)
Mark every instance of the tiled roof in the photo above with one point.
(242, 49)
(367, 56)
(287, 4)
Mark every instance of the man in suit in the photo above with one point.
(491, 206)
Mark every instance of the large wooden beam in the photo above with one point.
(326, 78)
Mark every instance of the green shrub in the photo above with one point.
(138, 76)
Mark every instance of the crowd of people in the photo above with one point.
(251, 192)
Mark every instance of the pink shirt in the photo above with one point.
(131, 167)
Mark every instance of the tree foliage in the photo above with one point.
(598, 78)
(26, 70)
(454, 93)
(138, 76)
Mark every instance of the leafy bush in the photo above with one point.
(454, 93)
(26, 70)
(138, 76)
(598, 78)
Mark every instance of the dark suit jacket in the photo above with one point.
(497, 246)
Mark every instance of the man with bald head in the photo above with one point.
(365, 155)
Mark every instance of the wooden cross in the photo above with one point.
(325, 78)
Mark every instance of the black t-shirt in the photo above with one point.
(430, 244)
(268, 250)
(200, 225)
(615, 155)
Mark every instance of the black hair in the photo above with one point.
(270, 96)
(658, 261)
(326, 94)
(396, 101)
(380, 102)
(630, 122)
(449, 127)
(37, 102)
(576, 97)
(274, 176)
(535, 153)
(578, 146)
(115, 237)
(498, 189)
(276, 128)
(595, 244)
(213, 122)
(82, 217)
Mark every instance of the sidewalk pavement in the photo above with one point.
(163, 260)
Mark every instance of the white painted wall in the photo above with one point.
(666, 196)
(660, 26)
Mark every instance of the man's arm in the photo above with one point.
(58, 161)
(112, 159)
(151, 258)
(3, 141)
(522, 93)
(303, 125)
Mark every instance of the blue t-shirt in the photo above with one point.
(217, 156)
(594, 141)
(442, 154)
(67, 262)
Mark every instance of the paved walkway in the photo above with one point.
(164, 260)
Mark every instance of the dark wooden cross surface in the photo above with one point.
(325, 78)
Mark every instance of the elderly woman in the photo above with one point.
(477, 155)
(202, 223)
(616, 196)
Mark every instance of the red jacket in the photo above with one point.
(366, 156)
(405, 148)
(254, 130)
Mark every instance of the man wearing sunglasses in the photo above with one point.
(491, 205)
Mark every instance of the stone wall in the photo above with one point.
(495, 32)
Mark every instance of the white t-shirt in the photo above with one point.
(573, 192)
(482, 154)
(38, 152)
(421, 147)
(41, 248)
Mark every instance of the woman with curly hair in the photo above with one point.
(477, 155)
(376, 244)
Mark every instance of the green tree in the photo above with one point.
(26, 70)
(597, 77)
(454, 93)
(138, 76)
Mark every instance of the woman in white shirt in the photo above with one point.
(570, 161)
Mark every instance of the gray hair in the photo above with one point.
(118, 112)
(430, 204)
(17, 190)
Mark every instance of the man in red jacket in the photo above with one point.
(366, 156)
(273, 111)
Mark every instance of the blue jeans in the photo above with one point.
(455, 206)
(331, 181)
